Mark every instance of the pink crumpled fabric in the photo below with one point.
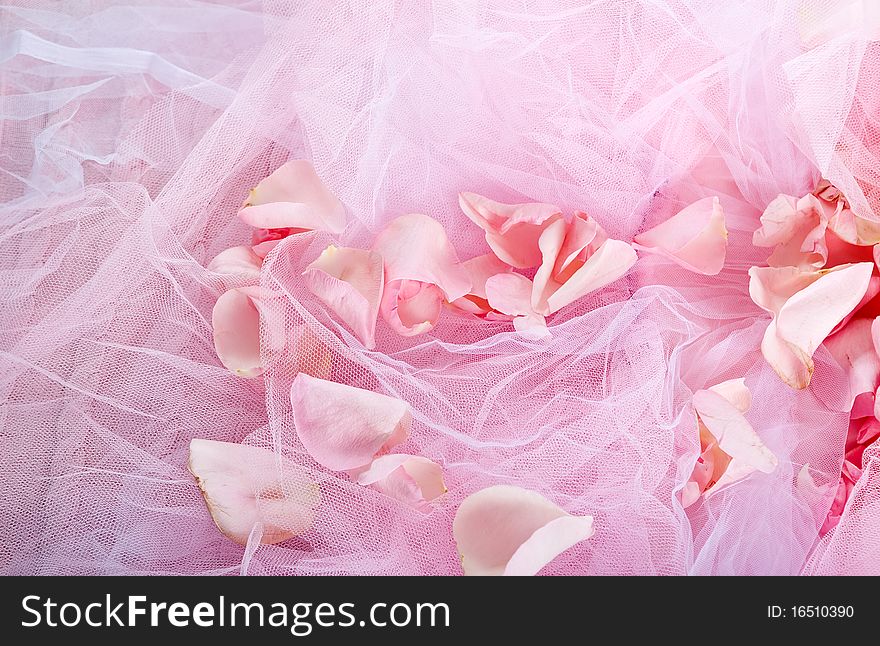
(130, 135)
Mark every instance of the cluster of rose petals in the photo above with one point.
(422, 272)
(822, 286)
(291, 200)
(573, 257)
(730, 449)
(350, 429)
(408, 276)
(510, 531)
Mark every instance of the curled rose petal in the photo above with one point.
(806, 306)
(411, 479)
(511, 294)
(855, 229)
(237, 260)
(853, 349)
(350, 282)
(479, 270)
(294, 197)
(730, 448)
(796, 228)
(506, 530)
(245, 485)
(512, 230)
(694, 238)
(236, 323)
(421, 272)
(577, 258)
(345, 428)
(411, 307)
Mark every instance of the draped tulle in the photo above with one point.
(131, 134)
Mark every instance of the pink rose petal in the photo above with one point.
(479, 270)
(245, 485)
(345, 428)
(796, 227)
(511, 294)
(237, 260)
(411, 479)
(293, 196)
(421, 273)
(548, 542)
(236, 324)
(512, 230)
(611, 261)
(350, 282)
(731, 448)
(807, 306)
(415, 248)
(577, 258)
(853, 349)
(736, 392)
(694, 238)
(855, 229)
(506, 530)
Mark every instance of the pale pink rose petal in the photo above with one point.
(421, 272)
(690, 493)
(532, 326)
(565, 246)
(350, 282)
(855, 229)
(853, 349)
(582, 238)
(293, 196)
(345, 428)
(512, 230)
(872, 291)
(796, 227)
(723, 419)
(237, 260)
(735, 436)
(511, 294)
(245, 485)
(479, 270)
(415, 248)
(736, 392)
(779, 222)
(547, 543)
(694, 238)
(807, 307)
(610, 262)
(411, 479)
(810, 315)
(236, 324)
(509, 530)
(550, 244)
(701, 477)
(771, 287)
(411, 307)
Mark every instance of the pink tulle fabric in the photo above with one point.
(130, 134)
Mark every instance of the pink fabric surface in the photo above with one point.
(130, 134)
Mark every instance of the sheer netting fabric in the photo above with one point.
(130, 133)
